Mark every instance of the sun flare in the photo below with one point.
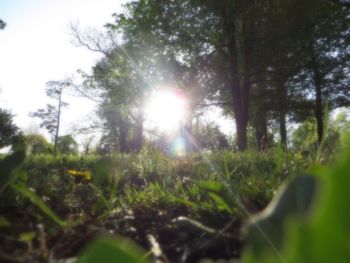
(166, 110)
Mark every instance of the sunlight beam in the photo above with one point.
(166, 110)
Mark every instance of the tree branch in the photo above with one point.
(84, 94)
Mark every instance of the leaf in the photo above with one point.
(4, 222)
(27, 236)
(195, 223)
(211, 185)
(220, 203)
(323, 236)
(35, 199)
(102, 171)
(186, 202)
(267, 228)
(110, 250)
(7, 168)
(101, 196)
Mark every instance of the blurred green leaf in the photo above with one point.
(186, 202)
(220, 203)
(267, 229)
(27, 236)
(100, 196)
(211, 185)
(7, 167)
(102, 171)
(35, 199)
(324, 236)
(111, 250)
(4, 222)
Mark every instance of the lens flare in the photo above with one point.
(166, 110)
(178, 148)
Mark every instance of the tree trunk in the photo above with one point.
(318, 91)
(248, 48)
(58, 122)
(261, 138)
(282, 114)
(123, 132)
(260, 117)
(239, 106)
(319, 110)
(283, 128)
(138, 137)
(261, 130)
(319, 115)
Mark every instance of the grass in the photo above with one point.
(192, 208)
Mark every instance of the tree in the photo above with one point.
(8, 130)
(341, 124)
(51, 116)
(87, 143)
(67, 145)
(262, 61)
(113, 82)
(217, 36)
(289, 79)
(342, 2)
(305, 138)
(209, 137)
(124, 77)
(2, 24)
(38, 144)
(326, 48)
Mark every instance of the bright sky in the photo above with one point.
(36, 47)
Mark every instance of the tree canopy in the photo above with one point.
(2, 24)
(8, 130)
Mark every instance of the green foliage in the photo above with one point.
(264, 62)
(2, 24)
(209, 137)
(341, 126)
(51, 116)
(4, 222)
(112, 250)
(305, 136)
(8, 167)
(27, 237)
(295, 199)
(8, 130)
(305, 141)
(66, 145)
(35, 199)
(38, 144)
(49, 162)
(103, 170)
(323, 235)
(152, 192)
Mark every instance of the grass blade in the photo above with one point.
(35, 199)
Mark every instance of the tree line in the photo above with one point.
(265, 63)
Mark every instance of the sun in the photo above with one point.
(166, 109)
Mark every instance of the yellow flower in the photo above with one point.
(83, 174)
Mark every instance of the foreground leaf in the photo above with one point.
(110, 250)
(7, 167)
(324, 236)
(35, 199)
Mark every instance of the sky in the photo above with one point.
(36, 47)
